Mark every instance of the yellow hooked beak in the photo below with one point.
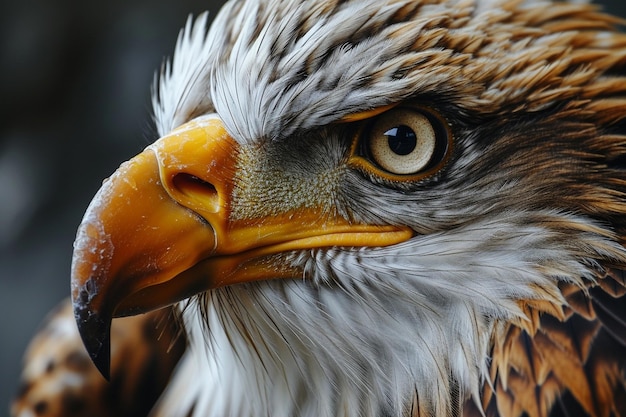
(160, 230)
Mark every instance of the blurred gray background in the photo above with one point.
(75, 83)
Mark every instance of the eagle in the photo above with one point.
(375, 208)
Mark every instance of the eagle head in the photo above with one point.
(360, 207)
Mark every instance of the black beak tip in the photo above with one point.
(95, 331)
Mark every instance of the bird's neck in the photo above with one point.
(254, 363)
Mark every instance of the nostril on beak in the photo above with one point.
(197, 191)
(190, 185)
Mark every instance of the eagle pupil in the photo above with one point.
(401, 139)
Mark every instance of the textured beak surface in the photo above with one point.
(160, 230)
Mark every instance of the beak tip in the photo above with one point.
(95, 331)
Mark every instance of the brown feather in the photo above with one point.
(580, 358)
(59, 379)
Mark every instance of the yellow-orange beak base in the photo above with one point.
(160, 230)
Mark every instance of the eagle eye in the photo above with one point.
(404, 143)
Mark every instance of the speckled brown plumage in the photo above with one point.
(59, 380)
(564, 363)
